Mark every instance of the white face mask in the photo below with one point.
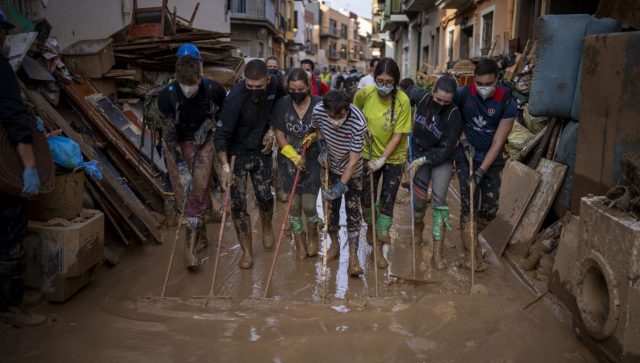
(190, 91)
(486, 91)
(337, 123)
(309, 74)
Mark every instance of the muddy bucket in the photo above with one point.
(619, 197)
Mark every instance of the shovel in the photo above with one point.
(227, 196)
(478, 289)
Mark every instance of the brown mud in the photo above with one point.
(109, 322)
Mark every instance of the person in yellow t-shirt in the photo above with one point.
(388, 113)
(325, 77)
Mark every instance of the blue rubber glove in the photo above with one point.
(31, 182)
(335, 192)
(40, 125)
(323, 159)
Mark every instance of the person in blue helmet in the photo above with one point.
(13, 209)
(189, 106)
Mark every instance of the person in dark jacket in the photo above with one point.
(243, 131)
(188, 106)
(436, 129)
(413, 91)
(13, 209)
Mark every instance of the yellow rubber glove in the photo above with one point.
(309, 139)
(293, 155)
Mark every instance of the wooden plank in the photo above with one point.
(552, 175)
(544, 143)
(508, 75)
(533, 143)
(519, 182)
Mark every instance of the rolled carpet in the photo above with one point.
(11, 167)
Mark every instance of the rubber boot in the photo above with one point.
(243, 231)
(203, 242)
(354, 265)
(267, 229)
(382, 262)
(301, 250)
(282, 196)
(383, 225)
(334, 249)
(194, 225)
(312, 236)
(440, 225)
(418, 230)
(21, 317)
(366, 214)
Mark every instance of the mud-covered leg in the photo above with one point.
(295, 220)
(260, 174)
(241, 220)
(391, 177)
(334, 222)
(313, 222)
(354, 219)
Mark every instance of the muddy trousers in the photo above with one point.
(198, 200)
(352, 207)
(487, 193)
(258, 167)
(391, 175)
(13, 230)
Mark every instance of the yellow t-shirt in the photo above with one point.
(378, 115)
(326, 79)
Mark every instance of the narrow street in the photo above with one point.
(111, 321)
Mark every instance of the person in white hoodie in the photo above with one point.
(368, 79)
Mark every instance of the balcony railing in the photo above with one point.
(311, 48)
(253, 10)
(329, 32)
(333, 55)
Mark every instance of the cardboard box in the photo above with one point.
(609, 110)
(60, 259)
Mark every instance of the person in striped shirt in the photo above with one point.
(341, 128)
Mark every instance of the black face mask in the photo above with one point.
(298, 97)
(257, 94)
(274, 72)
(436, 107)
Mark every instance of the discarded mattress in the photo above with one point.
(555, 84)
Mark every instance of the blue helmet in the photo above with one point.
(189, 49)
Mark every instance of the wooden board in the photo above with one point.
(552, 175)
(519, 182)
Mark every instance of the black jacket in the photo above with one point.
(243, 122)
(191, 112)
(435, 134)
(13, 114)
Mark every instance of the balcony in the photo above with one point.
(419, 5)
(453, 4)
(333, 55)
(253, 11)
(329, 32)
(311, 49)
(393, 13)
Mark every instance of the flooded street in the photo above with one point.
(110, 321)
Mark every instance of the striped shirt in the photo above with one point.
(340, 142)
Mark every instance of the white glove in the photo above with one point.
(376, 164)
(415, 165)
(268, 140)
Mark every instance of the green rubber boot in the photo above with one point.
(383, 224)
(440, 225)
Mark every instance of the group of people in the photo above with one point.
(338, 143)
(319, 128)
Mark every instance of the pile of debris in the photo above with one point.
(92, 92)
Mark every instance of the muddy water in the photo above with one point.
(109, 322)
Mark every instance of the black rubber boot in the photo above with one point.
(267, 229)
(243, 231)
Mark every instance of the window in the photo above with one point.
(333, 27)
(343, 31)
(295, 19)
(487, 33)
(343, 52)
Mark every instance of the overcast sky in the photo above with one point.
(360, 7)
